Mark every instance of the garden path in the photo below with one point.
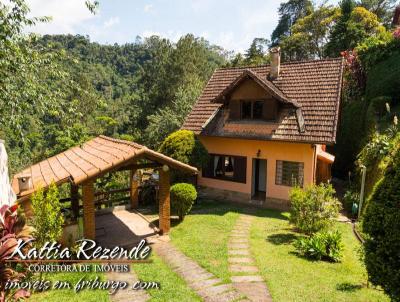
(205, 284)
(245, 275)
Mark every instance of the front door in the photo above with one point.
(259, 181)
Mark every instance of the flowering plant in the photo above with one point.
(12, 229)
(396, 33)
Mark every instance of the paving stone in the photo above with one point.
(239, 252)
(225, 297)
(247, 279)
(238, 246)
(255, 291)
(240, 260)
(197, 285)
(215, 290)
(239, 268)
(238, 240)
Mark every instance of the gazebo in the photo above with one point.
(80, 166)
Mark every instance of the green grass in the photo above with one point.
(203, 236)
(293, 278)
(173, 288)
(69, 295)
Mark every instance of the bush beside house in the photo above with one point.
(313, 208)
(183, 196)
(313, 212)
(184, 146)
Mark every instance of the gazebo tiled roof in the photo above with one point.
(90, 160)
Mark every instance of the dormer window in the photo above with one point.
(252, 110)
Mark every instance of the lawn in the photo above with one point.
(68, 295)
(293, 278)
(172, 287)
(203, 235)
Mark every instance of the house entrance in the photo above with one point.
(259, 179)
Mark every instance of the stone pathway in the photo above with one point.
(127, 294)
(245, 275)
(205, 284)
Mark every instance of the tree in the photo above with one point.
(310, 34)
(382, 225)
(354, 26)
(289, 13)
(47, 217)
(184, 146)
(382, 8)
(257, 52)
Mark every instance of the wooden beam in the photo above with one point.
(89, 222)
(134, 189)
(75, 200)
(140, 166)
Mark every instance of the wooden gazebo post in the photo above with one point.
(134, 189)
(164, 200)
(89, 222)
(75, 200)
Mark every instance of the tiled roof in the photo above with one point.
(90, 160)
(314, 85)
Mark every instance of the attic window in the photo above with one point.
(251, 109)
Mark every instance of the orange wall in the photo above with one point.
(271, 151)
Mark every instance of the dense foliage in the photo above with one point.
(313, 208)
(183, 196)
(184, 146)
(321, 246)
(47, 217)
(382, 225)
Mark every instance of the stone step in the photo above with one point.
(239, 268)
(241, 279)
(240, 260)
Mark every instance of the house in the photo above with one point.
(266, 128)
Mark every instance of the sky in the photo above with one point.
(231, 24)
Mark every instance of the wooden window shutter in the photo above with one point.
(240, 169)
(234, 109)
(270, 109)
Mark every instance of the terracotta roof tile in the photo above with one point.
(95, 157)
(314, 85)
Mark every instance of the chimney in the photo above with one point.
(275, 62)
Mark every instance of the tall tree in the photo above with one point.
(382, 8)
(354, 25)
(257, 52)
(310, 34)
(289, 13)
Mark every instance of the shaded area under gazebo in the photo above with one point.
(80, 166)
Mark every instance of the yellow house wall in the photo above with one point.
(271, 151)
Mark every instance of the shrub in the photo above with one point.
(313, 208)
(183, 196)
(382, 225)
(47, 217)
(321, 246)
(184, 146)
